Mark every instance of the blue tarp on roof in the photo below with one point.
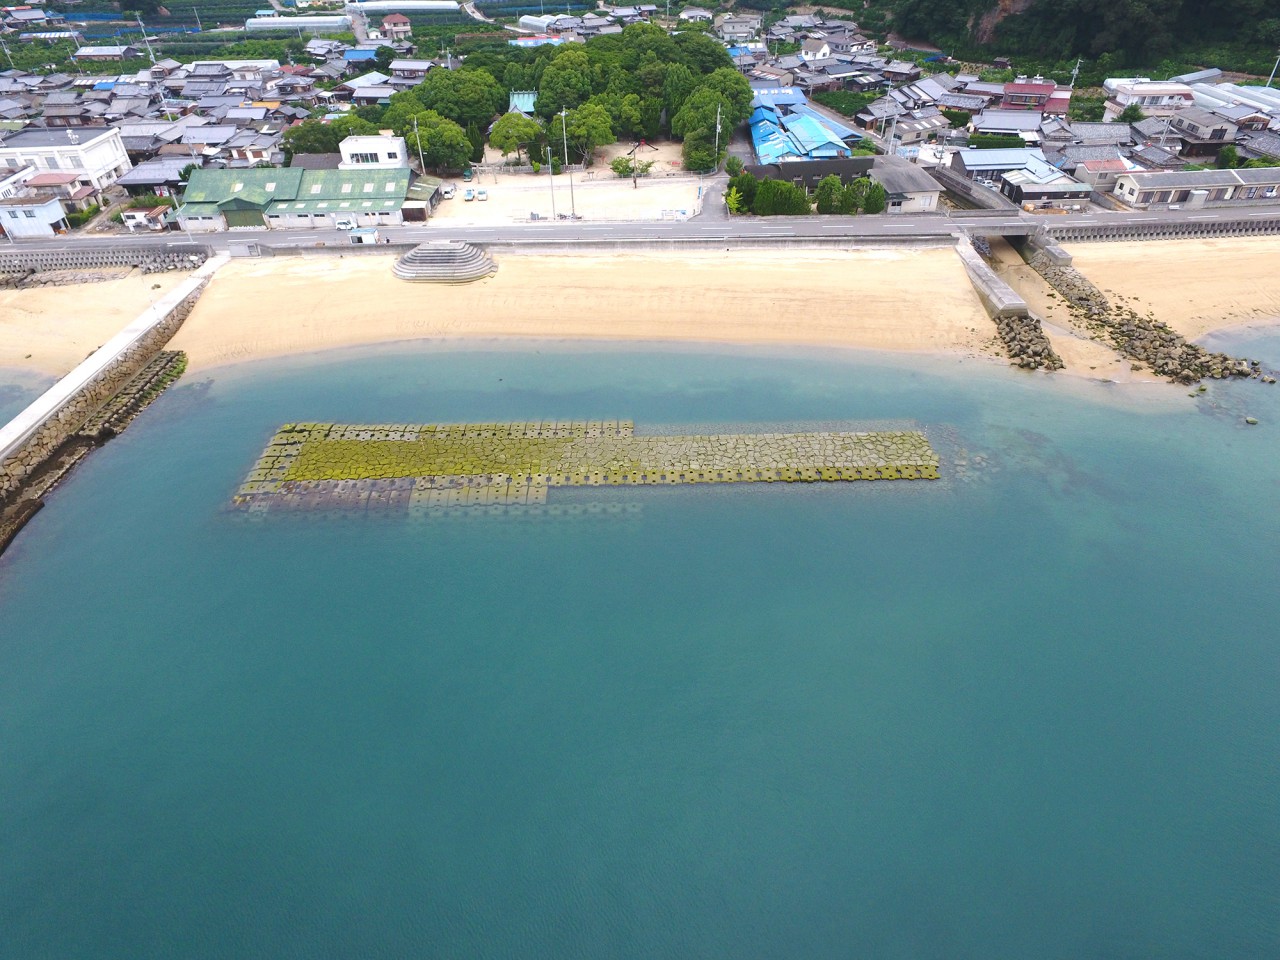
(812, 139)
(104, 85)
(839, 129)
(778, 136)
(779, 97)
(360, 55)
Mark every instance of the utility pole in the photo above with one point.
(564, 133)
(1273, 71)
(1076, 72)
(199, 25)
(8, 56)
(551, 179)
(146, 40)
(717, 153)
(418, 140)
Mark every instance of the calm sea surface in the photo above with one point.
(1033, 712)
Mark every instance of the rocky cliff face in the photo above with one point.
(984, 30)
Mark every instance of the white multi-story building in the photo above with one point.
(1154, 98)
(373, 152)
(96, 155)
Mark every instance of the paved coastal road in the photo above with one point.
(699, 228)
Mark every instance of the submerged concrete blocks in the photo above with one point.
(483, 464)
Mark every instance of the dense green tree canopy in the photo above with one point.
(443, 144)
(463, 96)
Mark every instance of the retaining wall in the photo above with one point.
(976, 193)
(1000, 299)
(109, 254)
(1238, 227)
(37, 432)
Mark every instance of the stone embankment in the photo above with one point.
(1020, 332)
(94, 401)
(116, 414)
(1141, 338)
(1025, 342)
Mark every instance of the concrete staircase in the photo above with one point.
(444, 261)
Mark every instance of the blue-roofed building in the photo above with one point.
(522, 101)
(535, 41)
(359, 56)
(784, 127)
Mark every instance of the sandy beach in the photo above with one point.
(890, 299)
(1195, 286)
(51, 329)
(899, 299)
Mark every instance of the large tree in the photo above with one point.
(463, 96)
(316, 136)
(512, 130)
(587, 127)
(442, 143)
(566, 82)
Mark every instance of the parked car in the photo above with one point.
(345, 223)
(466, 175)
(468, 194)
(447, 191)
(482, 194)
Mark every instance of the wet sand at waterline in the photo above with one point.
(914, 300)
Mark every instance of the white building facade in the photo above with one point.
(96, 156)
(39, 216)
(373, 152)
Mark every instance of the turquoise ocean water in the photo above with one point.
(1030, 714)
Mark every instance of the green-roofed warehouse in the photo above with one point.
(289, 198)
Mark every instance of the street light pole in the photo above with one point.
(551, 180)
(564, 132)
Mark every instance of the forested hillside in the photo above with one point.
(1233, 34)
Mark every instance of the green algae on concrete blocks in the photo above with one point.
(496, 464)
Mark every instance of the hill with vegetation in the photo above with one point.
(1241, 35)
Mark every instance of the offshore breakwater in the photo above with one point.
(418, 467)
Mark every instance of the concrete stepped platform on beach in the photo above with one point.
(445, 261)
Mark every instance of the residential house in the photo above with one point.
(1008, 123)
(397, 26)
(411, 71)
(1042, 186)
(1024, 94)
(1154, 99)
(1102, 175)
(1199, 188)
(695, 15)
(151, 218)
(814, 49)
(989, 165)
(31, 214)
(160, 177)
(1201, 133)
(735, 28)
(70, 188)
(102, 54)
(94, 154)
(908, 188)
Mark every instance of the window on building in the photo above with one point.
(392, 155)
(364, 158)
(13, 214)
(29, 214)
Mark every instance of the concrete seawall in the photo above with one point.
(1000, 299)
(104, 254)
(1241, 226)
(36, 433)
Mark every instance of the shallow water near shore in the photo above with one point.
(1029, 711)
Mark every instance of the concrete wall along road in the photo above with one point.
(37, 432)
